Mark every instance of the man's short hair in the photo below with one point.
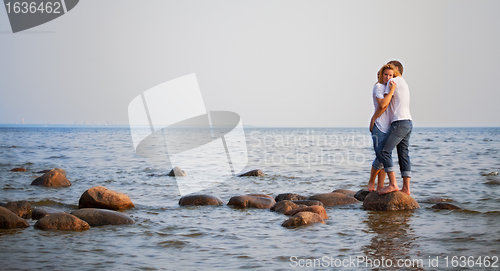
(397, 64)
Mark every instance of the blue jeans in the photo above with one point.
(377, 137)
(398, 137)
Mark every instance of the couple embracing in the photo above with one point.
(391, 126)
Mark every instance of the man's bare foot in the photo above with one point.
(371, 186)
(405, 190)
(388, 189)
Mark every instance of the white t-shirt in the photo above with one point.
(400, 102)
(384, 121)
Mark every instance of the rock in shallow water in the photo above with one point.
(289, 196)
(445, 206)
(393, 201)
(284, 206)
(253, 173)
(100, 217)
(62, 221)
(21, 208)
(18, 169)
(53, 178)
(200, 200)
(332, 199)
(308, 202)
(41, 212)
(101, 197)
(251, 201)
(303, 218)
(345, 191)
(320, 210)
(9, 220)
(361, 194)
(177, 172)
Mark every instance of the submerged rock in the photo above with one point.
(53, 178)
(436, 199)
(284, 206)
(177, 172)
(9, 220)
(101, 197)
(62, 221)
(252, 201)
(361, 194)
(345, 191)
(100, 217)
(332, 199)
(308, 202)
(445, 206)
(289, 196)
(199, 200)
(253, 173)
(18, 169)
(41, 212)
(320, 210)
(21, 208)
(303, 218)
(393, 201)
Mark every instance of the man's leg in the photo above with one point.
(396, 134)
(404, 160)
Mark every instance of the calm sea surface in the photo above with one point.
(450, 163)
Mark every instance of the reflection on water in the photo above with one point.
(394, 239)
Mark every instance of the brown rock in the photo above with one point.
(249, 201)
(308, 202)
(345, 191)
(53, 178)
(177, 172)
(393, 201)
(62, 221)
(261, 195)
(21, 208)
(41, 212)
(284, 206)
(446, 206)
(101, 197)
(253, 173)
(18, 169)
(320, 210)
(100, 217)
(361, 194)
(9, 220)
(303, 218)
(332, 199)
(436, 199)
(289, 196)
(199, 200)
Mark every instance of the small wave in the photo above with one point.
(173, 243)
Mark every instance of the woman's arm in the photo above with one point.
(387, 98)
(377, 114)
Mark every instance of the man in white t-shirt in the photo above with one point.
(398, 136)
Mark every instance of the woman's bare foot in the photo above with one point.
(405, 190)
(371, 186)
(380, 187)
(388, 189)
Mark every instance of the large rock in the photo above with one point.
(303, 218)
(284, 206)
(100, 217)
(21, 208)
(9, 220)
(41, 212)
(53, 178)
(345, 191)
(198, 200)
(101, 197)
(393, 201)
(289, 196)
(177, 172)
(250, 201)
(361, 194)
(320, 210)
(18, 169)
(308, 202)
(445, 206)
(332, 199)
(253, 173)
(62, 221)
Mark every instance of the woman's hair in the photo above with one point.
(385, 67)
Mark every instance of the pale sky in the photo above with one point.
(275, 63)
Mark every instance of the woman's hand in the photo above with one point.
(392, 86)
(372, 122)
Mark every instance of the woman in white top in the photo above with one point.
(381, 120)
